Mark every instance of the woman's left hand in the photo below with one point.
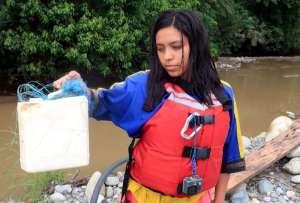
(69, 76)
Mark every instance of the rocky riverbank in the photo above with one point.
(278, 184)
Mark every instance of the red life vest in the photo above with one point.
(158, 162)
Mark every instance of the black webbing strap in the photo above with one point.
(223, 98)
(127, 170)
(202, 120)
(202, 153)
(179, 188)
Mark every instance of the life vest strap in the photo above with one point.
(201, 120)
(127, 170)
(223, 98)
(202, 153)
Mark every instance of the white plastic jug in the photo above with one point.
(53, 134)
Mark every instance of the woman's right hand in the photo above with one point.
(72, 75)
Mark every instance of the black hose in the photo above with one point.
(103, 177)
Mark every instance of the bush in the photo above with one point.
(46, 38)
(43, 39)
(278, 25)
(40, 40)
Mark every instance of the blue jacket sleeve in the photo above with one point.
(233, 152)
(123, 103)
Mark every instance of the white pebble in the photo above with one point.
(57, 197)
(293, 166)
(254, 200)
(246, 142)
(296, 179)
(120, 185)
(120, 175)
(109, 192)
(290, 194)
(63, 189)
(279, 190)
(100, 198)
(112, 180)
(117, 191)
(294, 153)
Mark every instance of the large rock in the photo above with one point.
(281, 123)
(294, 153)
(278, 126)
(63, 189)
(293, 166)
(240, 195)
(112, 180)
(265, 186)
(296, 179)
(57, 197)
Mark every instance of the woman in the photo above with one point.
(184, 115)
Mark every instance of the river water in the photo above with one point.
(263, 90)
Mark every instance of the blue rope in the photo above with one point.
(72, 88)
(194, 161)
(34, 89)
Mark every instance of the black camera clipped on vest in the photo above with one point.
(191, 185)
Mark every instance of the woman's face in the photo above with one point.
(173, 51)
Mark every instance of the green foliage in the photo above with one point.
(231, 25)
(44, 39)
(37, 184)
(278, 25)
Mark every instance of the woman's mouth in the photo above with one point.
(171, 67)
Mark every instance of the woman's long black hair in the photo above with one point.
(201, 72)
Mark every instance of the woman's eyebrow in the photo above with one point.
(172, 43)
(176, 42)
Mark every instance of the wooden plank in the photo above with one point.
(261, 159)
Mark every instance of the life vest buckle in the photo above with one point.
(186, 126)
(202, 153)
(205, 119)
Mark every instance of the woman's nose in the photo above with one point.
(168, 55)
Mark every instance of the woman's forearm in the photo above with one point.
(220, 189)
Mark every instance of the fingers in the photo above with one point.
(72, 75)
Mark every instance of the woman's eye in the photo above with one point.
(160, 49)
(177, 47)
